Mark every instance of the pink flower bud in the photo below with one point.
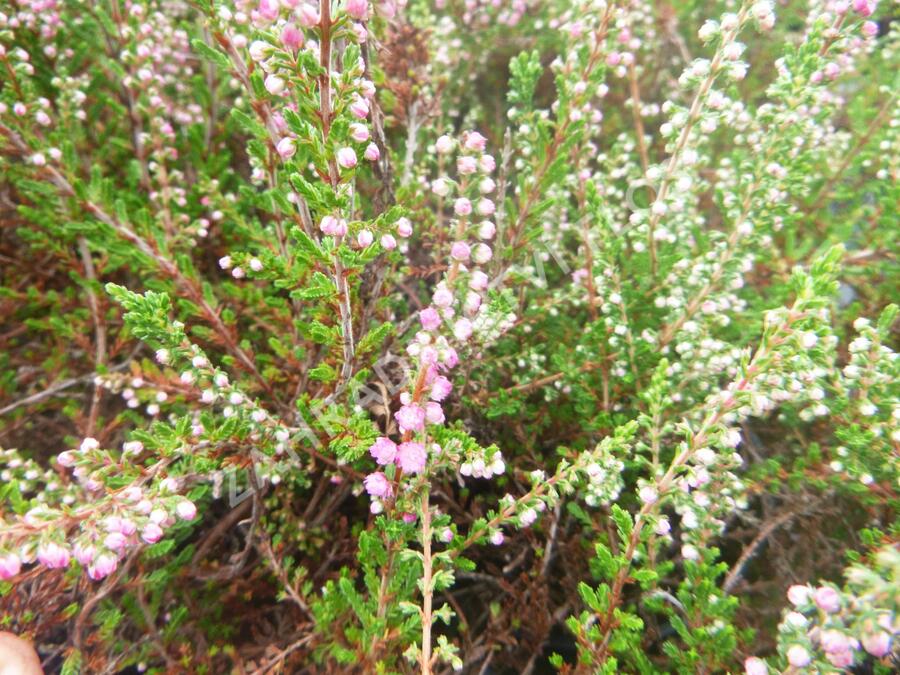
(307, 15)
(460, 251)
(383, 450)
(105, 565)
(360, 108)
(478, 281)
(466, 165)
(346, 158)
(430, 318)
(446, 535)
(359, 132)
(827, 599)
(486, 207)
(487, 163)
(462, 329)
(364, 238)
(388, 242)
(358, 9)
(755, 666)
(404, 227)
(442, 297)
(378, 485)
(53, 556)
(798, 657)
(410, 418)
(66, 458)
(274, 85)
(84, 554)
(292, 37)
(10, 565)
(411, 457)
(496, 538)
(443, 145)
(870, 29)
(482, 253)
(475, 141)
(877, 644)
(186, 510)
(335, 227)
(372, 153)
(268, 9)
(286, 148)
(441, 388)
(434, 414)
(115, 541)
(151, 533)
(462, 207)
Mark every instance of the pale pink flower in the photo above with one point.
(10, 565)
(186, 510)
(441, 388)
(378, 485)
(411, 457)
(383, 450)
(346, 158)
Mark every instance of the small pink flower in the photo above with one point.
(335, 227)
(443, 145)
(482, 253)
(286, 148)
(442, 298)
(292, 37)
(346, 158)
(798, 657)
(151, 533)
(870, 29)
(486, 230)
(410, 418)
(478, 281)
(268, 9)
(755, 666)
(377, 485)
(105, 565)
(467, 165)
(364, 238)
(53, 556)
(307, 14)
(360, 108)
(84, 554)
(842, 659)
(486, 207)
(384, 450)
(388, 242)
(462, 206)
(115, 541)
(799, 595)
(10, 565)
(475, 142)
(434, 414)
(372, 153)
(446, 535)
(496, 538)
(430, 318)
(462, 329)
(66, 458)
(274, 85)
(186, 510)
(460, 251)
(404, 227)
(877, 644)
(827, 599)
(359, 132)
(411, 457)
(487, 163)
(358, 9)
(441, 388)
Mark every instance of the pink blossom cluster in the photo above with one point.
(106, 530)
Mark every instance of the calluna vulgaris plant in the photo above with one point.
(494, 336)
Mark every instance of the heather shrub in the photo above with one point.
(495, 337)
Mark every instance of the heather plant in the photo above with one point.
(495, 337)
